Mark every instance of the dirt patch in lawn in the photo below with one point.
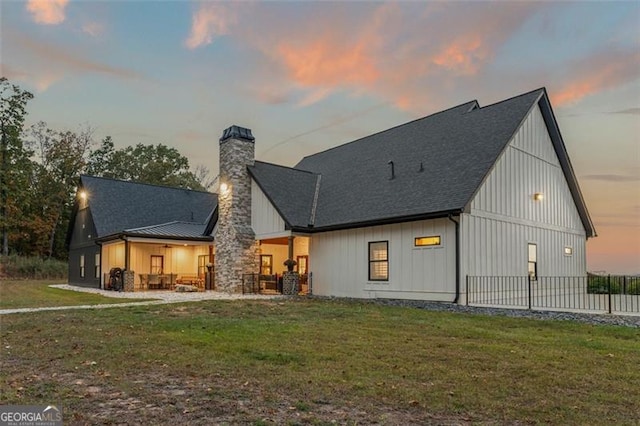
(155, 398)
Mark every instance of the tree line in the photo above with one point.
(40, 169)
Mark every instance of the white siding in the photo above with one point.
(340, 265)
(504, 217)
(265, 220)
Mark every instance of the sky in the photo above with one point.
(307, 76)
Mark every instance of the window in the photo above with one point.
(202, 264)
(157, 264)
(266, 264)
(97, 265)
(568, 251)
(533, 261)
(379, 261)
(82, 266)
(433, 240)
(303, 264)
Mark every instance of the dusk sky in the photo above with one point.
(307, 76)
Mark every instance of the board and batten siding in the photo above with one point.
(112, 257)
(265, 219)
(340, 263)
(504, 217)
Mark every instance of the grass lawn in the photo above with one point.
(317, 362)
(37, 293)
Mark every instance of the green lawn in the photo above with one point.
(37, 293)
(318, 361)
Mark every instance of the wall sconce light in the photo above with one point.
(224, 187)
(83, 195)
(538, 196)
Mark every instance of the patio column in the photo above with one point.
(291, 238)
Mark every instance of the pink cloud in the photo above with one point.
(601, 71)
(328, 63)
(49, 12)
(209, 21)
(463, 56)
(48, 63)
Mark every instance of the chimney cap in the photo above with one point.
(237, 132)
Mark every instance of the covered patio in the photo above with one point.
(158, 264)
(274, 252)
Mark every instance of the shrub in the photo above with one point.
(22, 267)
(619, 284)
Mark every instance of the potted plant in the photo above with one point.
(290, 264)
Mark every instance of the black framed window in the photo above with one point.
(203, 259)
(379, 261)
(97, 265)
(430, 241)
(533, 261)
(302, 264)
(266, 264)
(157, 264)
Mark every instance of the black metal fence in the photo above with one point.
(261, 284)
(592, 293)
(272, 284)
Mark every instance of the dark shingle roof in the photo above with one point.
(291, 191)
(440, 161)
(120, 205)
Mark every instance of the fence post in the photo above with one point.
(609, 290)
(529, 280)
(467, 289)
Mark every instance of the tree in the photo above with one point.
(15, 163)
(154, 164)
(60, 157)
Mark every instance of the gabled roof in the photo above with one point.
(439, 162)
(290, 191)
(117, 206)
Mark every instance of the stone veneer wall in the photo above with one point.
(236, 247)
(128, 280)
(290, 283)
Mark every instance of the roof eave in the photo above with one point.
(378, 222)
(123, 235)
(565, 163)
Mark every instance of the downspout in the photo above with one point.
(457, 257)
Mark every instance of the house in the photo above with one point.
(405, 213)
(145, 228)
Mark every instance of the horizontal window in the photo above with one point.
(433, 240)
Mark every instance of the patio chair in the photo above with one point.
(154, 282)
(144, 281)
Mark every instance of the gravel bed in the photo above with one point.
(589, 318)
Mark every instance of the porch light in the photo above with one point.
(538, 196)
(223, 187)
(83, 195)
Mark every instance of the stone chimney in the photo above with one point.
(236, 247)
